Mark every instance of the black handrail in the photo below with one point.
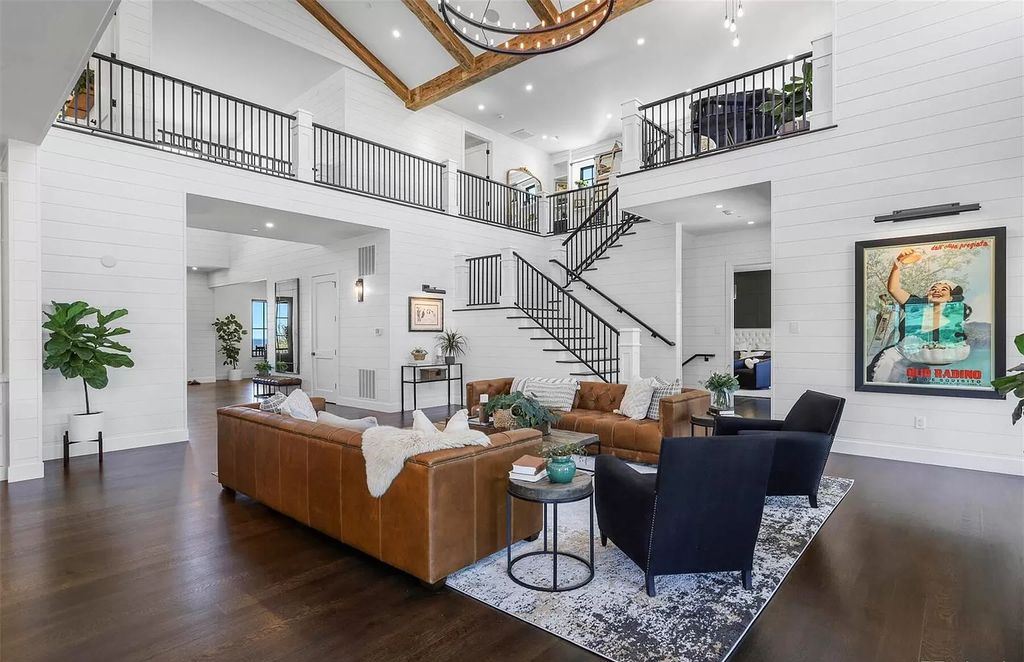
(746, 108)
(597, 234)
(706, 357)
(570, 209)
(145, 106)
(350, 162)
(486, 200)
(484, 280)
(618, 307)
(569, 321)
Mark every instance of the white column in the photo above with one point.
(545, 216)
(631, 136)
(508, 277)
(629, 355)
(554, 271)
(303, 157)
(821, 58)
(460, 290)
(22, 291)
(450, 189)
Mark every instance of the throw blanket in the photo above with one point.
(385, 450)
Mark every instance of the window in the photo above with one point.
(259, 328)
(586, 176)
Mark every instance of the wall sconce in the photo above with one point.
(359, 290)
(432, 290)
(934, 211)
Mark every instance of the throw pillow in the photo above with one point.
(637, 399)
(354, 424)
(460, 421)
(272, 403)
(421, 423)
(552, 392)
(298, 405)
(662, 390)
(751, 362)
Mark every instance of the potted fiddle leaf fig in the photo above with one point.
(81, 350)
(229, 335)
(791, 102)
(1014, 383)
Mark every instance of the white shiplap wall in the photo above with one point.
(908, 135)
(200, 338)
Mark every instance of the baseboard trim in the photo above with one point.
(55, 451)
(27, 471)
(936, 456)
(372, 405)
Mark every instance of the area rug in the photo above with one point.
(699, 618)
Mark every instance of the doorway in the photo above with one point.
(751, 333)
(324, 351)
(476, 158)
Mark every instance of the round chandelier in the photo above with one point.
(488, 33)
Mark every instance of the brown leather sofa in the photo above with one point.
(593, 411)
(444, 511)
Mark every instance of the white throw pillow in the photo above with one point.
(421, 423)
(460, 421)
(637, 399)
(662, 390)
(354, 424)
(298, 405)
(552, 392)
(751, 362)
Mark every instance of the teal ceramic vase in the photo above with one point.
(561, 469)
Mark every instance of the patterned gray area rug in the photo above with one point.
(699, 618)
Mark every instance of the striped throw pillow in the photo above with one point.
(551, 392)
(662, 390)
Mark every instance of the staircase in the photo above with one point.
(595, 236)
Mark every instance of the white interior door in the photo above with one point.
(325, 337)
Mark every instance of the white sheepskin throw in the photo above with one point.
(385, 450)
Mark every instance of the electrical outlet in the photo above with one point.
(794, 328)
(920, 422)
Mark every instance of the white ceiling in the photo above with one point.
(241, 218)
(742, 207)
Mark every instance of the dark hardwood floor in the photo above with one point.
(145, 558)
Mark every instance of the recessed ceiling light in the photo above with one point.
(608, 116)
(254, 229)
(750, 222)
(529, 87)
(395, 33)
(269, 224)
(544, 137)
(719, 206)
(195, 268)
(789, 57)
(640, 41)
(480, 106)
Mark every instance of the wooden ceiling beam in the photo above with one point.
(545, 10)
(489, 64)
(436, 26)
(333, 26)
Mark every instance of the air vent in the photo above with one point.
(367, 260)
(522, 134)
(367, 382)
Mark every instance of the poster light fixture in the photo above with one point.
(933, 211)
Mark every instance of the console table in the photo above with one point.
(431, 373)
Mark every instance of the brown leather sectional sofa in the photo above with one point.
(593, 411)
(444, 511)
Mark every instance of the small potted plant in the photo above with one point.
(452, 344)
(263, 368)
(1014, 383)
(229, 335)
(419, 354)
(81, 350)
(561, 466)
(83, 95)
(722, 386)
(281, 366)
(791, 102)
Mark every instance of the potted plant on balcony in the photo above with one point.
(83, 95)
(722, 386)
(452, 344)
(229, 335)
(791, 102)
(1014, 383)
(84, 351)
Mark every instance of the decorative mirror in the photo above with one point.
(286, 326)
(524, 180)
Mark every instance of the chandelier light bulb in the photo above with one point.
(725, 22)
(736, 40)
(739, 11)
(732, 27)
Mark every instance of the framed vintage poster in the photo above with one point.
(931, 314)
(426, 314)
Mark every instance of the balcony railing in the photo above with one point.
(349, 162)
(486, 200)
(754, 106)
(569, 209)
(484, 280)
(131, 102)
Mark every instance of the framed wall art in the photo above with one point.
(426, 314)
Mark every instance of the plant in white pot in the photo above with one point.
(84, 351)
(229, 335)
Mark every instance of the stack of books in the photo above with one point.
(715, 411)
(529, 468)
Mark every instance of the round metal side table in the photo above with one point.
(547, 493)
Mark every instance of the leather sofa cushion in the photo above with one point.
(639, 441)
(599, 396)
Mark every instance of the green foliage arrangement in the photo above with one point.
(527, 412)
(281, 366)
(720, 382)
(82, 350)
(263, 368)
(1014, 383)
(563, 450)
(84, 83)
(229, 335)
(794, 99)
(452, 343)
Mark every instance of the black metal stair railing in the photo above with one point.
(589, 338)
(570, 209)
(589, 242)
(489, 201)
(484, 280)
